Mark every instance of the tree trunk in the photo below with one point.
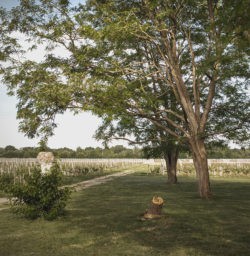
(201, 166)
(171, 158)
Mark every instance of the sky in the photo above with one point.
(72, 131)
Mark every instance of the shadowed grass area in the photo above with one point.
(104, 220)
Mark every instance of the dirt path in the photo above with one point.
(4, 203)
(96, 181)
(3, 200)
(80, 185)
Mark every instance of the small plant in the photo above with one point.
(39, 195)
(155, 169)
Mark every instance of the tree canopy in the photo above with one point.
(179, 65)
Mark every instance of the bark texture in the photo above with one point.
(171, 158)
(201, 166)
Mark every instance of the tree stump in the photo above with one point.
(46, 160)
(155, 208)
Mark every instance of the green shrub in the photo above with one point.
(155, 169)
(186, 169)
(6, 181)
(39, 195)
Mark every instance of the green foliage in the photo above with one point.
(24, 152)
(131, 47)
(151, 151)
(6, 181)
(118, 151)
(39, 195)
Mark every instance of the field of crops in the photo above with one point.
(217, 167)
(69, 167)
(75, 167)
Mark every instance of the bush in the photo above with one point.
(6, 182)
(39, 195)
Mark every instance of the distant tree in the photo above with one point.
(29, 152)
(10, 148)
(64, 152)
(118, 149)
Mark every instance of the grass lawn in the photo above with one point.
(103, 220)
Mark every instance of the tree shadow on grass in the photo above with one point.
(190, 226)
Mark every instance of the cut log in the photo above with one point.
(155, 208)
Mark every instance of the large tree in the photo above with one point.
(172, 63)
(152, 50)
